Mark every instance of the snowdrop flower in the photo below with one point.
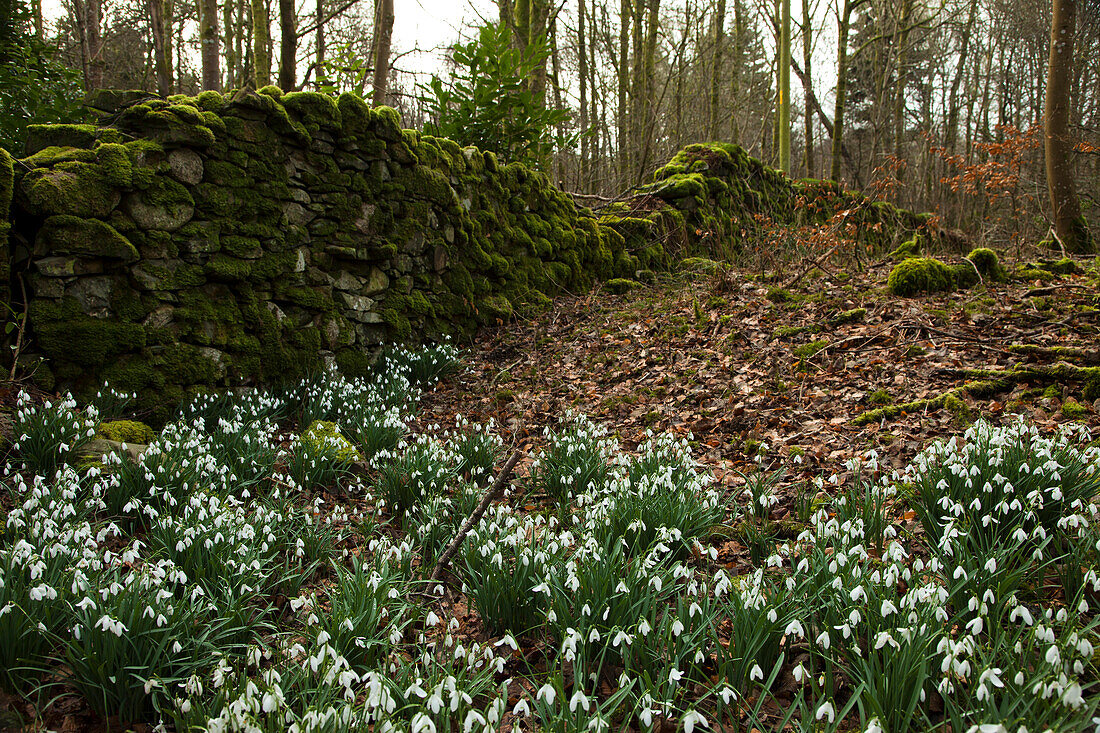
(756, 673)
(546, 693)
(826, 710)
(580, 699)
(675, 675)
(692, 718)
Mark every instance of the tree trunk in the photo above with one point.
(1069, 225)
(784, 69)
(160, 19)
(261, 44)
(623, 85)
(807, 91)
(288, 45)
(951, 132)
(319, 57)
(738, 62)
(716, 68)
(209, 39)
(648, 121)
(383, 34)
(94, 43)
(582, 69)
(841, 89)
(540, 12)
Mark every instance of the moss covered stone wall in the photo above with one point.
(711, 197)
(209, 241)
(190, 243)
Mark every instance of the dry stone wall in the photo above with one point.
(196, 243)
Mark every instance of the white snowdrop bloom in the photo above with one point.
(677, 627)
(675, 675)
(579, 699)
(421, 723)
(546, 693)
(644, 628)
(727, 694)
(1072, 696)
(522, 708)
(756, 673)
(473, 718)
(826, 710)
(1053, 656)
(794, 628)
(693, 718)
(874, 726)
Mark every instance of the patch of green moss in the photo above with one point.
(917, 275)
(907, 249)
(126, 431)
(1073, 409)
(988, 264)
(326, 437)
(621, 285)
(880, 397)
(855, 315)
(805, 351)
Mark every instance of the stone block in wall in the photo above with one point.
(70, 235)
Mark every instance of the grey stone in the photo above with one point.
(449, 234)
(276, 311)
(185, 166)
(363, 223)
(205, 238)
(96, 449)
(217, 358)
(149, 216)
(301, 262)
(439, 258)
(93, 294)
(357, 302)
(160, 317)
(377, 282)
(348, 282)
(294, 214)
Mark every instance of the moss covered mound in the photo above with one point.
(126, 431)
(917, 275)
(325, 437)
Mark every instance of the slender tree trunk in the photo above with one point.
(841, 89)
(582, 71)
(901, 83)
(89, 21)
(209, 39)
(228, 43)
(623, 133)
(540, 11)
(951, 132)
(39, 25)
(160, 17)
(383, 34)
(784, 68)
(555, 82)
(522, 28)
(1069, 226)
(738, 62)
(319, 51)
(807, 90)
(261, 44)
(649, 86)
(716, 68)
(288, 45)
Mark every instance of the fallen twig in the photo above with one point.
(496, 489)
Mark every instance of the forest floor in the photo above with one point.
(754, 371)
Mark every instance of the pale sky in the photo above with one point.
(432, 26)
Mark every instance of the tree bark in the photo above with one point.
(383, 34)
(261, 44)
(160, 18)
(582, 69)
(540, 12)
(319, 14)
(784, 69)
(841, 89)
(807, 91)
(1069, 226)
(288, 45)
(209, 39)
(623, 87)
(716, 68)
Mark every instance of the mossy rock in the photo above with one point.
(1073, 409)
(917, 275)
(907, 249)
(988, 264)
(326, 438)
(126, 431)
(64, 234)
(855, 315)
(621, 285)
